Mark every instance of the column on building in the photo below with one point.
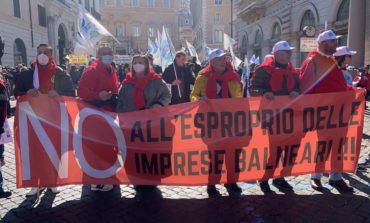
(356, 30)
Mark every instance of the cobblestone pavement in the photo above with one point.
(77, 203)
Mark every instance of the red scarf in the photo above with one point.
(213, 77)
(278, 74)
(140, 85)
(46, 76)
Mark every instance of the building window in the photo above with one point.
(119, 3)
(87, 5)
(276, 32)
(151, 31)
(258, 44)
(218, 2)
(218, 36)
(17, 8)
(42, 15)
(343, 15)
(308, 19)
(151, 3)
(165, 3)
(20, 54)
(120, 30)
(343, 11)
(244, 47)
(218, 17)
(135, 3)
(258, 38)
(136, 30)
(102, 3)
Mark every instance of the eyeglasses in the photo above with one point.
(350, 56)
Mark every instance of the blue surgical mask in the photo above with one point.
(107, 59)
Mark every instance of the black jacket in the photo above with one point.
(62, 83)
(187, 79)
(260, 83)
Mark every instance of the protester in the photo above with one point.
(142, 89)
(99, 87)
(99, 83)
(120, 73)
(157, 69)
(217, 80)
(276, 76)
(181, 79)
(45, 78)
(364, 81)
(319, 73)
(343, 56)
(197, 67)
(75, 75)
(3, 113)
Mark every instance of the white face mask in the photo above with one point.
(107, 59)
(43, 59)
(139, 67)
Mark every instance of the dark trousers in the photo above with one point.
(1, 175)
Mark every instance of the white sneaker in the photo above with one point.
(34, 191)
(55, 190)
(106, 187)
(101, 187)
(94, 187)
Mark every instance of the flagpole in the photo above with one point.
(174, 61)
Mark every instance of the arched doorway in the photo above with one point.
(20, 54)
(275, 35)
(244, 47)
(308, 19)
(342, 19)
(258, 44)
(62, 40)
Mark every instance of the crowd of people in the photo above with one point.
(142, 85)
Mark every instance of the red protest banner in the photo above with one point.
(65, 141)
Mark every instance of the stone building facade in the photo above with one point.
(260, 24)
(132, 22)
(24, 24)
(211, 19)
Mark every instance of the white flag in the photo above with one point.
(206, 52)
(89, 32)
(167, 50)
(228, 42)
(36, 80)
(228, 45)
(152, 48)
(192, 51)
